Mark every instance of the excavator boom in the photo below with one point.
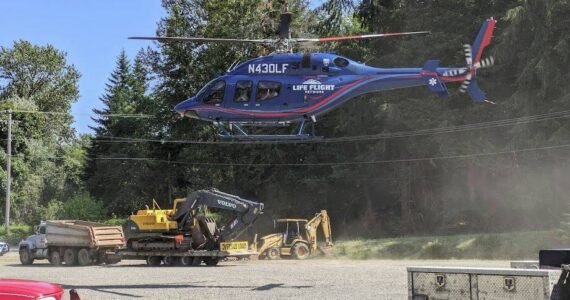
(246, 211)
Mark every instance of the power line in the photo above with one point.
(401, 134)
(381, 136)
(461, 156)
(84, 114)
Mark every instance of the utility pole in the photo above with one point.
(8, 172)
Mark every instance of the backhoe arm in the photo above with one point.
(321, 219)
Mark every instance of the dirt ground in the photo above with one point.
(308, 279)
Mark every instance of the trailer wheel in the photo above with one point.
(153, 260)
(273, 253)
(186, 261)
(70, 257)
(26, 257)
(211, 261)
(83, 257)
(301, 251)
(54, 258)
(196, 261)
(172, 261)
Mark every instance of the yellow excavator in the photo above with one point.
(189, 227)
(296, 238)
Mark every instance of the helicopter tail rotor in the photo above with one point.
(474, 61)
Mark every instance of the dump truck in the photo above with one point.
(72, 242)
(296, 238)
(188, 234)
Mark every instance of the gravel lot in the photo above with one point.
(309, 279)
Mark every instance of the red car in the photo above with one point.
(18, 289)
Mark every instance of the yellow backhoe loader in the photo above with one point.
(296, 238)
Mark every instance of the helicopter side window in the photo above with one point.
(341, 62)
(267, 90)
(243, 91)
(216, 94)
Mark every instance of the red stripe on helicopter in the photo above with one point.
(486, 39)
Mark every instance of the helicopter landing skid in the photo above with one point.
(242, 135)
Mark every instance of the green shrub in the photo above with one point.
(83, 207)
(17, 233)
(54, 210)
(116, 221)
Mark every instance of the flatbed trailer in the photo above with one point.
(182, 258)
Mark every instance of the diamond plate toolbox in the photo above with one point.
(439, 283)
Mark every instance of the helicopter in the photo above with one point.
(286, 88)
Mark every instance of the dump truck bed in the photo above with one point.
(75, 233)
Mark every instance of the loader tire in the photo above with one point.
(26, 257)
(70, 257)
(273, 253)
(301, 251)
(83, 257)
(54, 258)
(153, 261)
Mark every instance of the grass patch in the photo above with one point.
(513, 245)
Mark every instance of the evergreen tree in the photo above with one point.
(125, 104)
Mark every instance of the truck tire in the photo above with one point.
(70, 256)
(54, 258)
(111, 259)
(83, 257)
(300, 251)
(26, 257)
(273, 253)
(211, 261)
(153, 261)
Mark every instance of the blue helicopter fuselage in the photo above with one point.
(291, 87)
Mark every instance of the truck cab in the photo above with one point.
(35, 246)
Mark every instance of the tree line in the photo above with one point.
(459, 178)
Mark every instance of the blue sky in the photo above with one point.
(91, 32)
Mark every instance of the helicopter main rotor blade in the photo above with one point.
(355, 37)
(284, 24)
(200, 40)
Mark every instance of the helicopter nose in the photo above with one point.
(184, 107)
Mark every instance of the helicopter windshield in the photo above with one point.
(214, 92)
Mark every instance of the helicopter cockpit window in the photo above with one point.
(243, 91)
(216, 93)
(267, 90)
(340, 62)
